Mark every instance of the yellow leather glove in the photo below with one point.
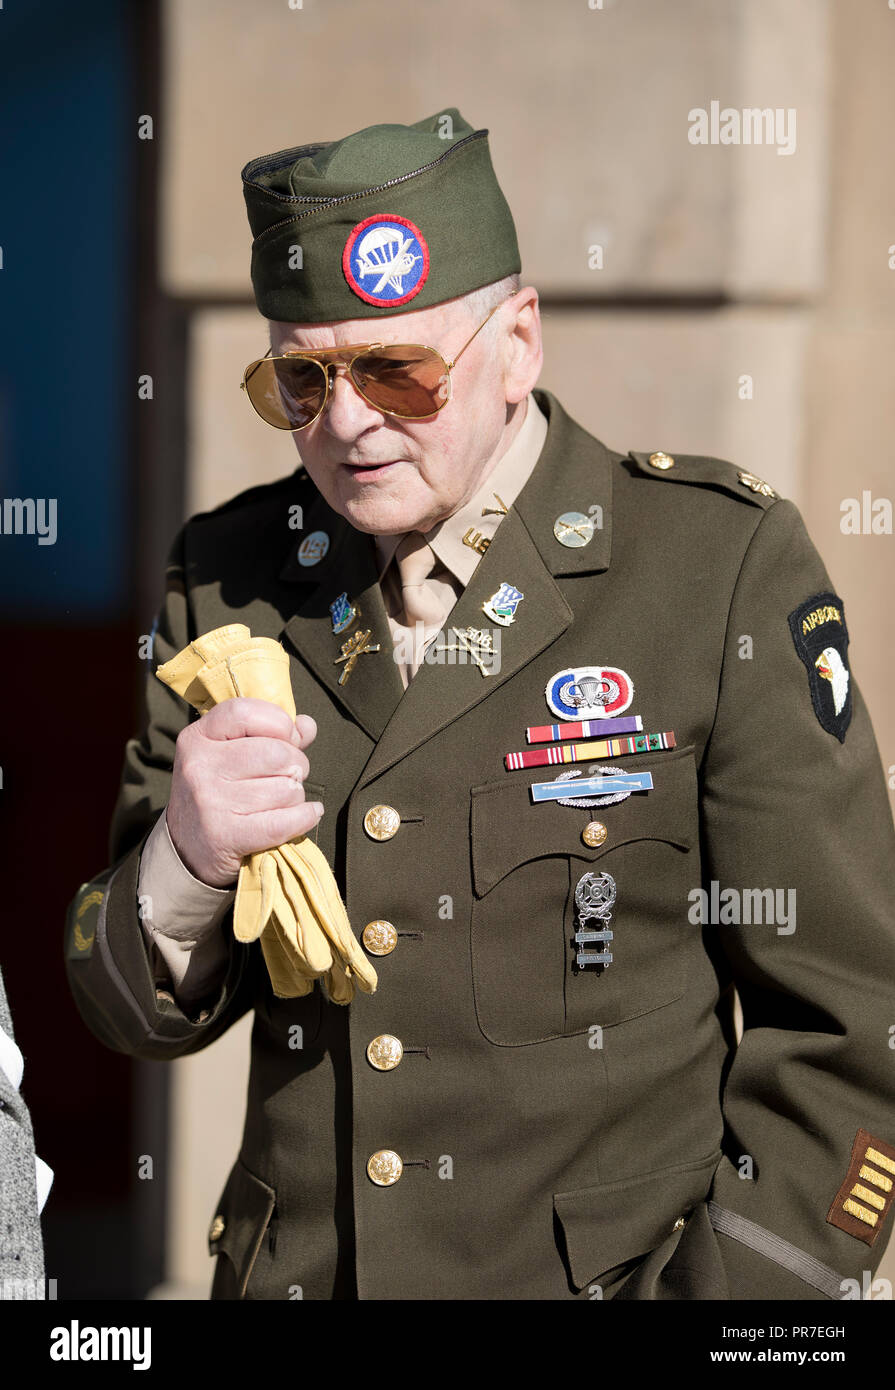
(287, 896)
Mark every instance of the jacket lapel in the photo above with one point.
(572, 474)
(373, 688)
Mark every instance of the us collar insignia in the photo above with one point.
(343, 613)
(501, 606)
(821, 640)
(589, 692)
(475, 540)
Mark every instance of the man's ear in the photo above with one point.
(523, 350)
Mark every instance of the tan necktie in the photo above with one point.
(428, 592)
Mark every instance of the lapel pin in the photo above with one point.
(313, 548)
(501, 606)
(343, 613)
(357, 644)
(477, 644)
(573, 529)
(589, 692)
(500, 510)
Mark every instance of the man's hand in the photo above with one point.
(237, 787)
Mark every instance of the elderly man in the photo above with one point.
(543, 1097)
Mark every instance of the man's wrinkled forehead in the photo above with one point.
(424, 326)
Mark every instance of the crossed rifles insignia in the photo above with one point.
(358, 643)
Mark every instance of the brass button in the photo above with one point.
(384, 1167)
(380, 937)
(385, 1052)
(594, 833)
(381, 822)
(679, 1224)
(217, 1229)
(661, 460)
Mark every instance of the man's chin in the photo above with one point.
(384, 521)
(384, 512)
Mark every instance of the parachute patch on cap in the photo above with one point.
(821, 639)
(386, 260)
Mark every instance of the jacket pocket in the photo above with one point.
(242, 1217)
(527, 861)
(607, 1227)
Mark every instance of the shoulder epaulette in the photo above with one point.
(707, 472)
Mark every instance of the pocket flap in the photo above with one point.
(607, 1225)
(508, 829)
(241, 1218)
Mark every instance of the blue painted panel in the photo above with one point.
(69, 140)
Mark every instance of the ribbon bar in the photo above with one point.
(581, 752)
(584, 728)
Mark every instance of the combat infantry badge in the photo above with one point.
(821, 640)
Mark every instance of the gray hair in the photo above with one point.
(479, 303)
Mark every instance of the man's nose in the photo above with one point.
(347, 414)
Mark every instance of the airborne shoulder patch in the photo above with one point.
(862, 1203)
(821, 640)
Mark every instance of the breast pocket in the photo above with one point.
(527, 863)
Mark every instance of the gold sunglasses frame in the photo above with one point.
(346, 356)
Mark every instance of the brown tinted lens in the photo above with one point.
(403, 379)
(286, 392)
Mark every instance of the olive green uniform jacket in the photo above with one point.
(564, 1134)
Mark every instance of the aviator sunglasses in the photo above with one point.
(408, 380)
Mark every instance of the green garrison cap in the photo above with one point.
(387, 220)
